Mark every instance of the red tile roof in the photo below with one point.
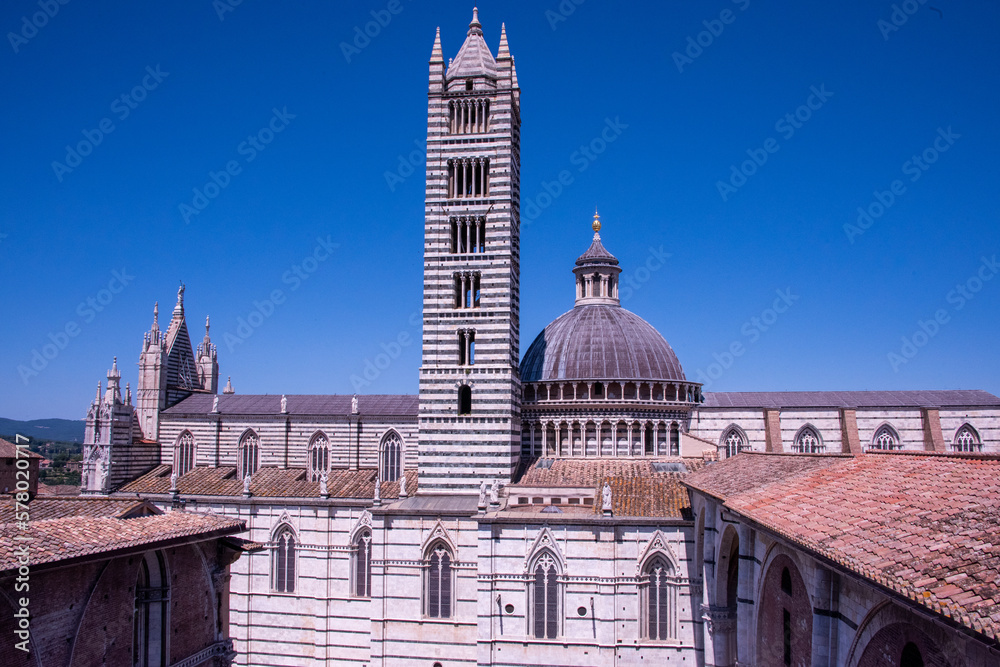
(9, 450)
(921, 524)
(637, 488)
(752, 470)
(48, 507)
(75, 537)
(58, 489)
(268, 482)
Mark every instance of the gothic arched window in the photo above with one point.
(149, 619)
(734, 441)
(249, 454)
(885, 438)
(184, 453)
(362, 570)
(283, 561)
(318, 455)
(967, 440)
(660, 597)
(544, 597)
(392, 457)
(808, 442)
(438, 581)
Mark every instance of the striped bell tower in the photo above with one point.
(469, 385)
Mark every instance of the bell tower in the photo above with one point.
(469, 416)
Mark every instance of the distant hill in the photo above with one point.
(66, 430)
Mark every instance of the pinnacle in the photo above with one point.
(503, 51)
(437, 56)
(475, 25)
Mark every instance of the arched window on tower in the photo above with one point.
(465, 400)
(392, 457)
(318, 456)
(543, 594)
(361, 571)
(659, 593)
(283, 561)
(149, 618)
(184, 453)
(886, 438)
(438, 581)
(967, 440)
(734, 441)
(807, 441)
(249, 454)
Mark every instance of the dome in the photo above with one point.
(600, 342)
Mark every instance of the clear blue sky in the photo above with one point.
(682, 125)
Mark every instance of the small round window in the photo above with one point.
(582, 611)
(509, 609)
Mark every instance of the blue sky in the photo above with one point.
(693, 90)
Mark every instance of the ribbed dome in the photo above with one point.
(600, 342)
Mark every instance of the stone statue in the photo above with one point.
(246, 485)
(354, 404)
(606, 497)
(284, 403)
(173, 481)
(482, 493)
(495, 492)
(215, 404)
(378, 492)
(402, 486)
(101, 474)
(322, 485)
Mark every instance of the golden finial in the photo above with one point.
(597, 222)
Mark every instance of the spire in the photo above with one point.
(475, 28)
(128, 394)
(503, 51)
(207, 341)
(156, 316)
(112, 395)
(437, 56)
(97, 399)
(474, 58)
(229, 386)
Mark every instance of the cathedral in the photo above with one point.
(585, 504)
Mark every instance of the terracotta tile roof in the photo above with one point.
(752, 470)
(57, 540)
(58, 489)
(637, 488)
(268, 482)
(918, 523)
(9, 450)
(390, 405)
(850, 399)
(43, 508)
